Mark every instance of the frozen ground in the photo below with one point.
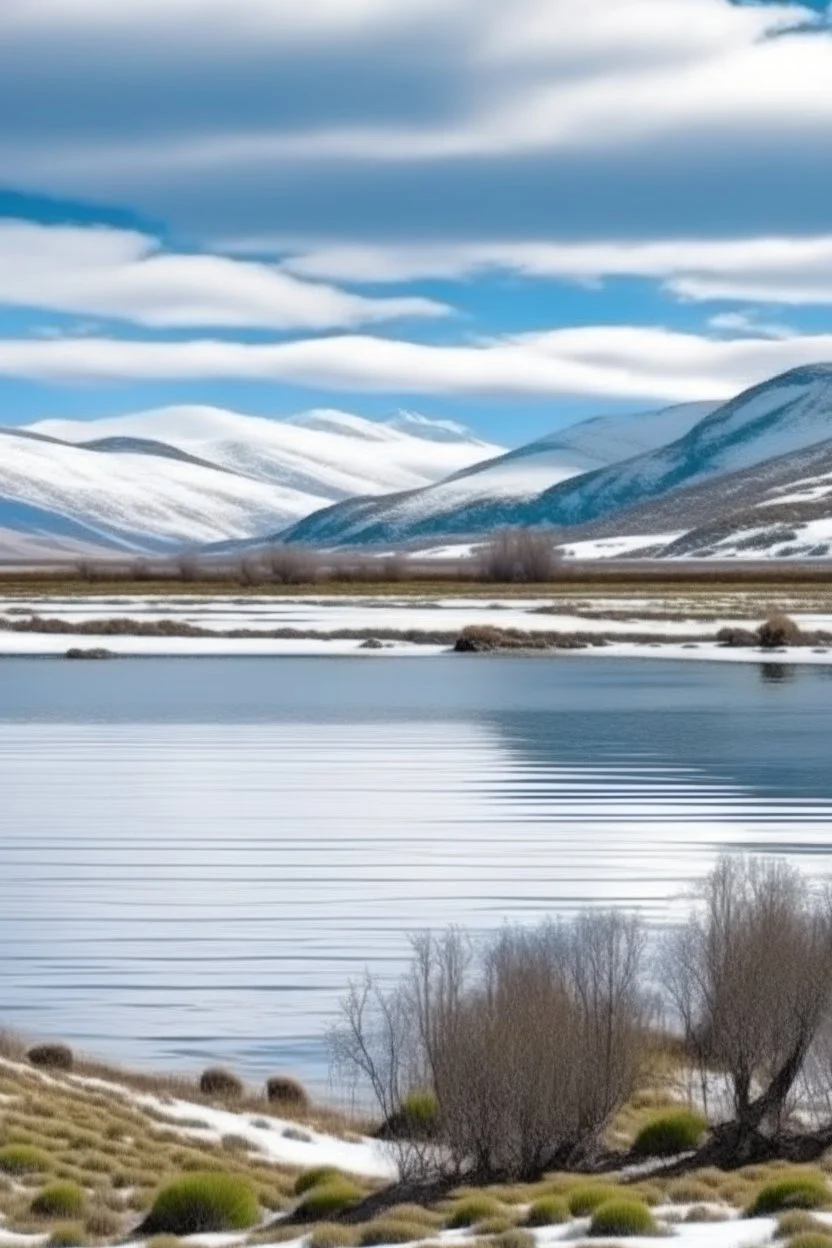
(674, 626)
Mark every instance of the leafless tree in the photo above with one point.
(522, 555)
(750, 978)
(292, 565)
(187, 566)
(530, 1048)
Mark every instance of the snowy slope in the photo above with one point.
(523, 474)
(780, 416)
(201, 475)
(79, 496)
(327, 454)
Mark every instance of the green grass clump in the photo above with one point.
(795, 1223)
(202, 1203)
(420, 1112)
(70, 1236)
(59, 1200)
(390, 1231)
(796, 1191)
(473, 1209)
(676, 1131)
(623, 1217)
(584, 1200)
(23, 1159)
(549, 1211)
(315, 1177)
(326, 1199)
(332, 1235)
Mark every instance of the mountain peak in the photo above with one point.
(418, 426)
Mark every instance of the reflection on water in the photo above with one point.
(195, 856)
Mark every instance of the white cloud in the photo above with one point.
(118, 273)
(530, 76)
(761, 270)
(736, 323)
(612, 361)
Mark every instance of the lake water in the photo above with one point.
(197, 855)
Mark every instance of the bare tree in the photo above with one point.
(292, 565)
(187, 566)
(523, 555)
(529, 1048)
(750, 977)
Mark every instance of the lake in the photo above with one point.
(197, 855)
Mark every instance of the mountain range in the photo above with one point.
(189, 476)
(716, 485)
(750, 476)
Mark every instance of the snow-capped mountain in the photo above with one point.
(790, 412)
(194, 475)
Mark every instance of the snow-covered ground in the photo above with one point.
(321, 622)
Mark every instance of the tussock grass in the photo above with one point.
(795, 1223)
(316, 1177)
(623, 1217)
(327, 1199)
(795, 1191)
(59, 1200)
(670, 1133)
(585, 1199)
(689, 1192)
(473, 1209)
(391, 1231)
(548, 1211)
(72, 1235)
(201, 1203)
(333, 1235)
(20, 1159)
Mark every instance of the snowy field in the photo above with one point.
(286, 1143)
(672, 626)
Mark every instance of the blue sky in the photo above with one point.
(512, 215)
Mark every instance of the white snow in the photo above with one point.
(328, 454)
(329, 615)
(614, 547)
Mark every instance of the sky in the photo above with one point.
(513, 215)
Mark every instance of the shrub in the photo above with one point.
(59, 1200)
(473, 1209)
(326, 1199)
(583, 1201)
(390, 1231)
(315, 1177)
(795, 1223)
(677, 1131)
(23, 1159)
(797, 1191)
(218, 1082)
(332, 1235)
(281, 1090)
(779, 630)
(70, 1236)
(623, 1217)
(236, 1144)
(202, 1203)
(51, 1057)
(550, 1211)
